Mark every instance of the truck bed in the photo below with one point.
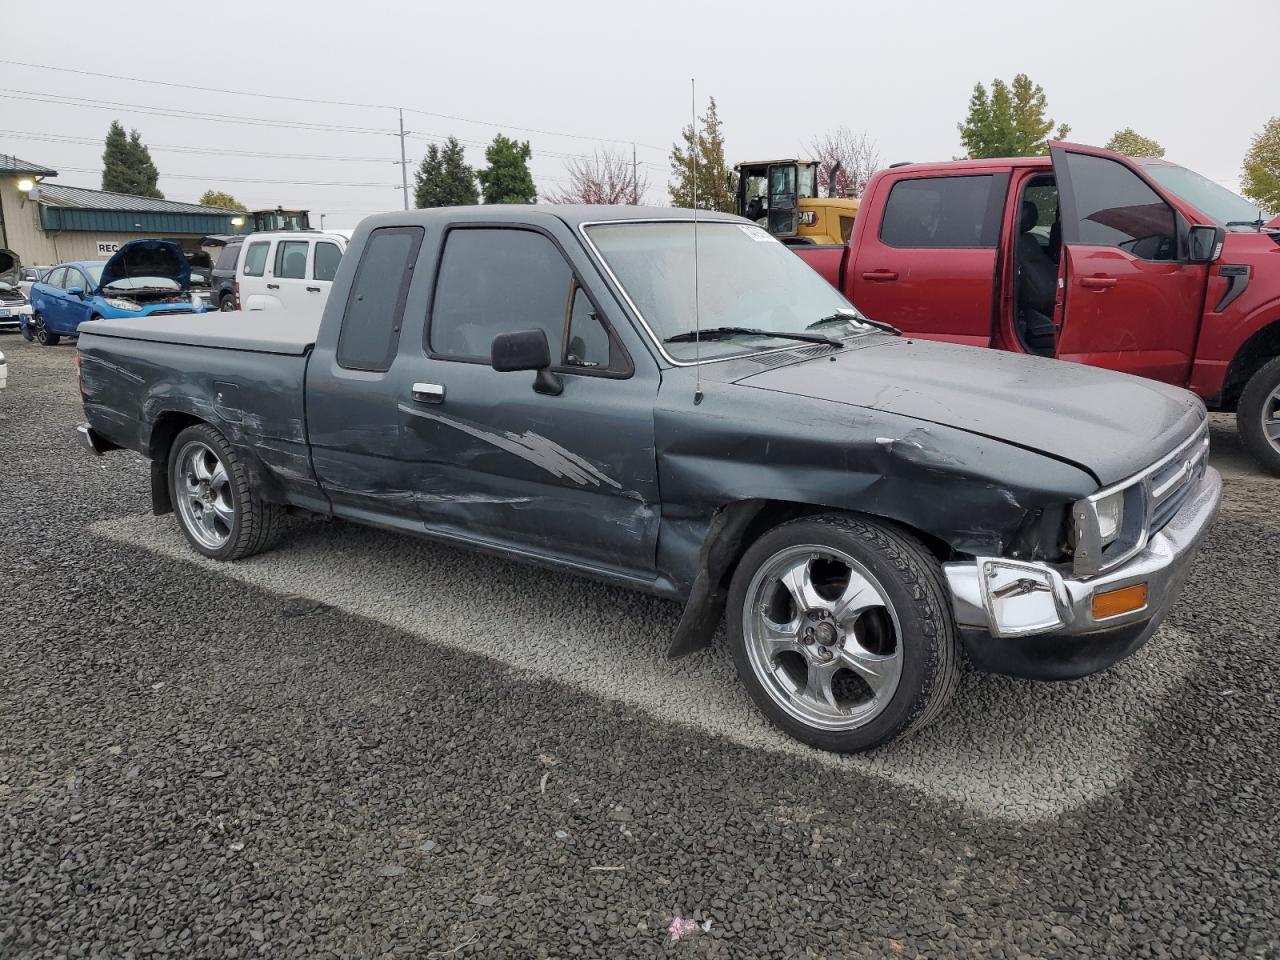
(285, 332)
(244, 373)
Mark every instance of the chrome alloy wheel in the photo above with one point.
(203, 491)
(822, 637)
(1271, 419)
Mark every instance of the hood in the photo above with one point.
(10, 268)
(147, 258)
(1110, 424)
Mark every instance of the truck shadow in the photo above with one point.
(1007, 748)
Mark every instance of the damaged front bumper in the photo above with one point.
(1032, 620)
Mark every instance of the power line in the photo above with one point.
(202, 151)
(323, 102)
(221, 179)
(8, 93)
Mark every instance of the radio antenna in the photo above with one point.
(697, 313)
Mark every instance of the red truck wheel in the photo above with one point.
(1258, 416)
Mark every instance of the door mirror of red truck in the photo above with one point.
(526, 350)
(1204, 243)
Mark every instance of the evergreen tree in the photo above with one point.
(507, 178)
(1133, 144)
(444, 179)
(1261, 179)
(224, 201)
(1010, 122)
(717, 184)
(127, 166)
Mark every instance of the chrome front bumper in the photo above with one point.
(1038, 602)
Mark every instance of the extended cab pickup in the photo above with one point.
(1137, 265)
(536, 383)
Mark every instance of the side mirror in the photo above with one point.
(76, 291)
(526, 350)
(1204, 243)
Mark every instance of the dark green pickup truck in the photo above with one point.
(557, 386)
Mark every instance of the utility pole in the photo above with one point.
(404, 165)
(635, 178)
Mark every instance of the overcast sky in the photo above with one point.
(1195, 76)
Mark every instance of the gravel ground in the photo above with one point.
(361, 746)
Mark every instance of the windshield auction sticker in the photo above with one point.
(756, 234)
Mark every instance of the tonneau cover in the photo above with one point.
(262, 331)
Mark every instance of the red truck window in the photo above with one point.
(1114, 208)
(940, 212)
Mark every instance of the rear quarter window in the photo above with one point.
(375, 305)
(228, 257)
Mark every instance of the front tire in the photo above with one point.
(220, 512)
(43, 336)
(842, 632)
(1258, 416)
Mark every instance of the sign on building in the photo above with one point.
(105, 247)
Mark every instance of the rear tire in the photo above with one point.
(869, 652)
(227, 304)
(1258, 416)
(221, 514)
(43, 336)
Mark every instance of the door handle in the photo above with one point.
(880, 276)
(1097, 283)
(273, 286)
(313, 289)
(428, 392)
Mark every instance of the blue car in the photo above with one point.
(145, 278)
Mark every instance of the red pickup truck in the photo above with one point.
(1141, 266)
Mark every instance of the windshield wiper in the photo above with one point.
(851, 318)
(728, 333)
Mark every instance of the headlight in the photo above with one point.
(119, 303)
(1110, 517)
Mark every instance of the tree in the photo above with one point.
(717, 184)
(127, 166)
(223, 201)
(507, 178)
(858, 158)
(1008, 123)
(1261, 179)
(444, 179)
(603, 177)
(1133, 144)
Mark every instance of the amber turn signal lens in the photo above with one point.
(1115, 602)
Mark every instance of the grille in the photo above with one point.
(1173, 482)
(165, 313)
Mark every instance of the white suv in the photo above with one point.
(293, 269)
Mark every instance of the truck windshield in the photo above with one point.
(746, 278)
(1211, 199)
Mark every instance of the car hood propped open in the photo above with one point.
(147, 258)
(10, 268)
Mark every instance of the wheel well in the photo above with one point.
(1252, 356)
(167, 426)
(775, 512)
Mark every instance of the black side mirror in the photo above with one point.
(1204, 243)
(526, 350)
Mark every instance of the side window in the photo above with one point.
(54, 277)
(327, 257)
(939, 212)
(74, 278)
(228, 257)
(1114, 208)
(291, 259)
(494, 281)
(255, 258)
(588, 343)
(375, 305)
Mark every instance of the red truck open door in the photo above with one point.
(1127, 298)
